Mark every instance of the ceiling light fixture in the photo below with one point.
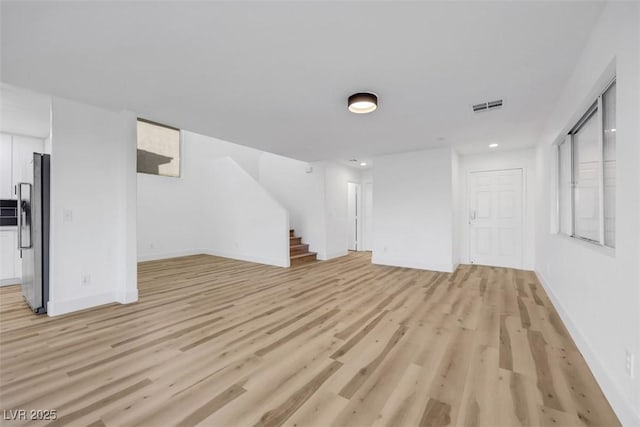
(364, 102)
(363, 164)
(494, 145)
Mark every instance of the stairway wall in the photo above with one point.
(170, 210)
(216, 206)
(301, 191)
(241, 220)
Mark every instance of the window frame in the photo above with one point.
(151, 122)
(594, 108)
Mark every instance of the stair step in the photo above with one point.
(295, 241)
(298, 249)
(303, 258)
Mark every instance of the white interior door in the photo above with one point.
(367, 216)
(352, 215)
(495, 218)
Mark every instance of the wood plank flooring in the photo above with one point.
(218, 342)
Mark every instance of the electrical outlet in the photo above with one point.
(85, 280)
(629, 363)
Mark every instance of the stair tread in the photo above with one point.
(299, 245)
(306, 254)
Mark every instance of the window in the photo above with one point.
(158, 149)
(609, 159)
(586, 174)
(586, 178)
(564, 189)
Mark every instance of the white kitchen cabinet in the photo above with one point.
(6, 173)
(23, 148)
(15, 153)
(10, 266)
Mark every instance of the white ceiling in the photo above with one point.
(276, 75)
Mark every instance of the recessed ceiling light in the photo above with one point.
(494, 145)
(362, 103)
(363, 164)
(613, 130)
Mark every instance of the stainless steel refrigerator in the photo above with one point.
(33, 231)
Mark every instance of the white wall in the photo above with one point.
(337, 220)
(213, 148)
(46, 148)
(598, 293)
(92, 207)
(171, 216)
(413, 210)
(497, 160)
(241, 220)
(203, 211)
(301, 191)
(457, 208)
(172, 211)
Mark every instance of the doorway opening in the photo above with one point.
(353, 216)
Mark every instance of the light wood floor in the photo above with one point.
(219, 342)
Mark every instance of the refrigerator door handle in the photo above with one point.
(18, 197)
(22, 216)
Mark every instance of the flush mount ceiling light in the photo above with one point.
(363, 163)
(363, 102)
(494, 145)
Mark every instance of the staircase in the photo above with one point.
(298, 251)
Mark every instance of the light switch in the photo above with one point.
(67, 215)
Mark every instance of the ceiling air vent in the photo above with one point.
(480, 107)
(494, 104)
(486, 106)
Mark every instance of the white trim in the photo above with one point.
(332, 255)
(64, 306)
(257, 259)
(408, 263)
(593, 246)
(621, 405)
(166, 255)
(10, 282)
(223, 254)
(127, 297)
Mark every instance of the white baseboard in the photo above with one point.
(284, 262)
(127, 297)
(623, 408)
(10, 282)
(166, 255)
(64, 306)
(333, 255)
(401, 262)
